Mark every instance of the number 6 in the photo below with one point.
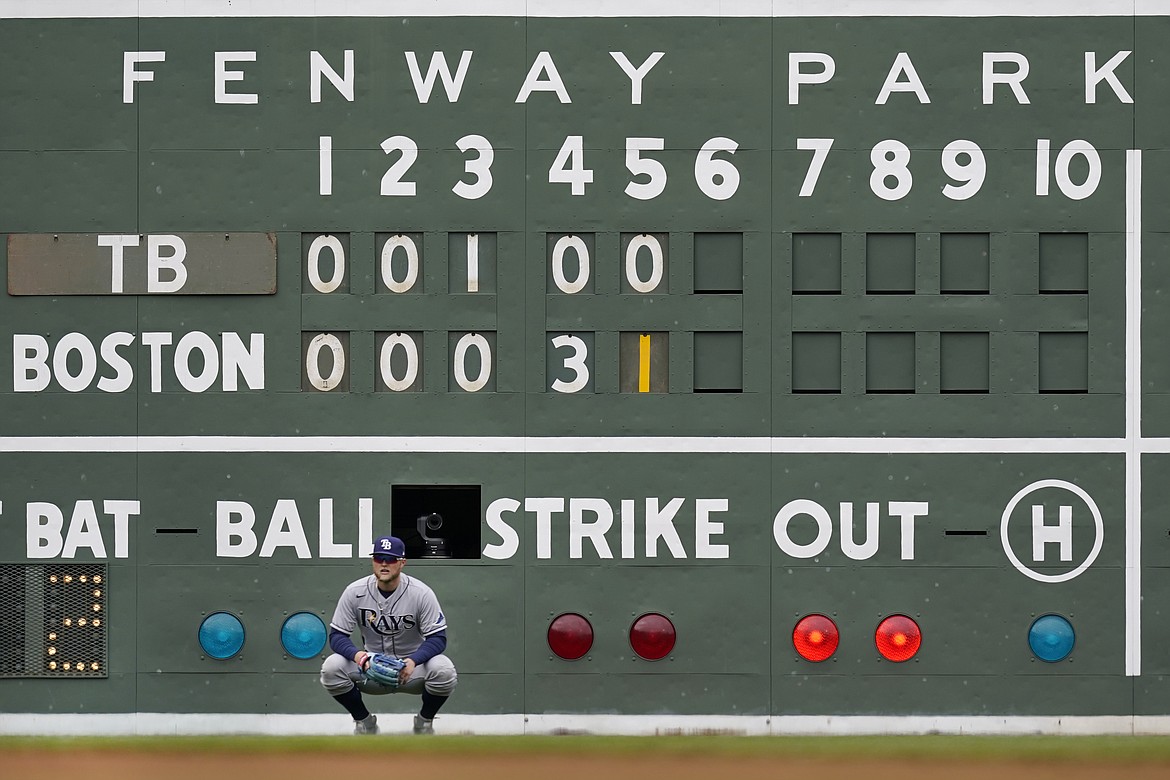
(718, 179)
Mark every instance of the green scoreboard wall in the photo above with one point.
(725, 314)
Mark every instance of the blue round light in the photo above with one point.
(303, 635)
(1051, 638)
(221, 635)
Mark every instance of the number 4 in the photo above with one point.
(569, 166)
(820, 148)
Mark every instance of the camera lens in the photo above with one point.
(435, 522)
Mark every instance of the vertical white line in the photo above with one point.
(1043, 161)
(1133, 412)
(325, 165)
(472, 262)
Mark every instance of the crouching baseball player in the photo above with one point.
(404, 635)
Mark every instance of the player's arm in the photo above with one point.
(343, 624)
(341, 644)
(433, 626)
(431, 646)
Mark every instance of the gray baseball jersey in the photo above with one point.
(394, 625)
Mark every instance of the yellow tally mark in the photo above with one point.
(644, 363)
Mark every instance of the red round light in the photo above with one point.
(570, 636)
(652, 636)
(898, 638)
(815, 637)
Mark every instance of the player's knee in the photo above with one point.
(442, 677)
(334, 675)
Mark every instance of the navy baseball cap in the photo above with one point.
(390, 547)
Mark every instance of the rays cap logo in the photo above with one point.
(389, 547)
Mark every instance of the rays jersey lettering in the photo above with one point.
(387, 624)
(396, 624)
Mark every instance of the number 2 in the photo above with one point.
(392, 183)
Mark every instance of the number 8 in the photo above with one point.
(890, 160)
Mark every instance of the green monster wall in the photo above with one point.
(730, 318)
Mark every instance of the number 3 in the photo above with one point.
(577, 363)
(480, 167)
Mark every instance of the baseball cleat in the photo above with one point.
(422, 725)
(367, 726)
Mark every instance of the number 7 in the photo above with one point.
(820, 148)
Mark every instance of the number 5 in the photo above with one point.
(652, 168)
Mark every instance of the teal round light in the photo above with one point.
(303, 635)
(221, 635)
(1051, 638)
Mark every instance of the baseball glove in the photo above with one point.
(384, 669)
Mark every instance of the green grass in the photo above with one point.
(1106, 749)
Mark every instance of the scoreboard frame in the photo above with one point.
(588, 366)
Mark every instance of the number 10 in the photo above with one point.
(1063, 162)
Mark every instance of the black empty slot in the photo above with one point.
(889, 363)
(890, 264)
(964, 364)
(816, 363)
(718, 362)
(965, 265)
(1064, 362)
(1064, 263)
(719, 263)
(436, 521)
(816, 263)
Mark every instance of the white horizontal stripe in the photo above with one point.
(154, 723)
(572, 444)
(943, 445)
(1159, 446)
(42, 9)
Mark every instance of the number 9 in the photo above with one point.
(972, 173)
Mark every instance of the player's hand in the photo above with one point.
(407, 670)
(362, 659)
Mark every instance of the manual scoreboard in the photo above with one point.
(824, 346)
